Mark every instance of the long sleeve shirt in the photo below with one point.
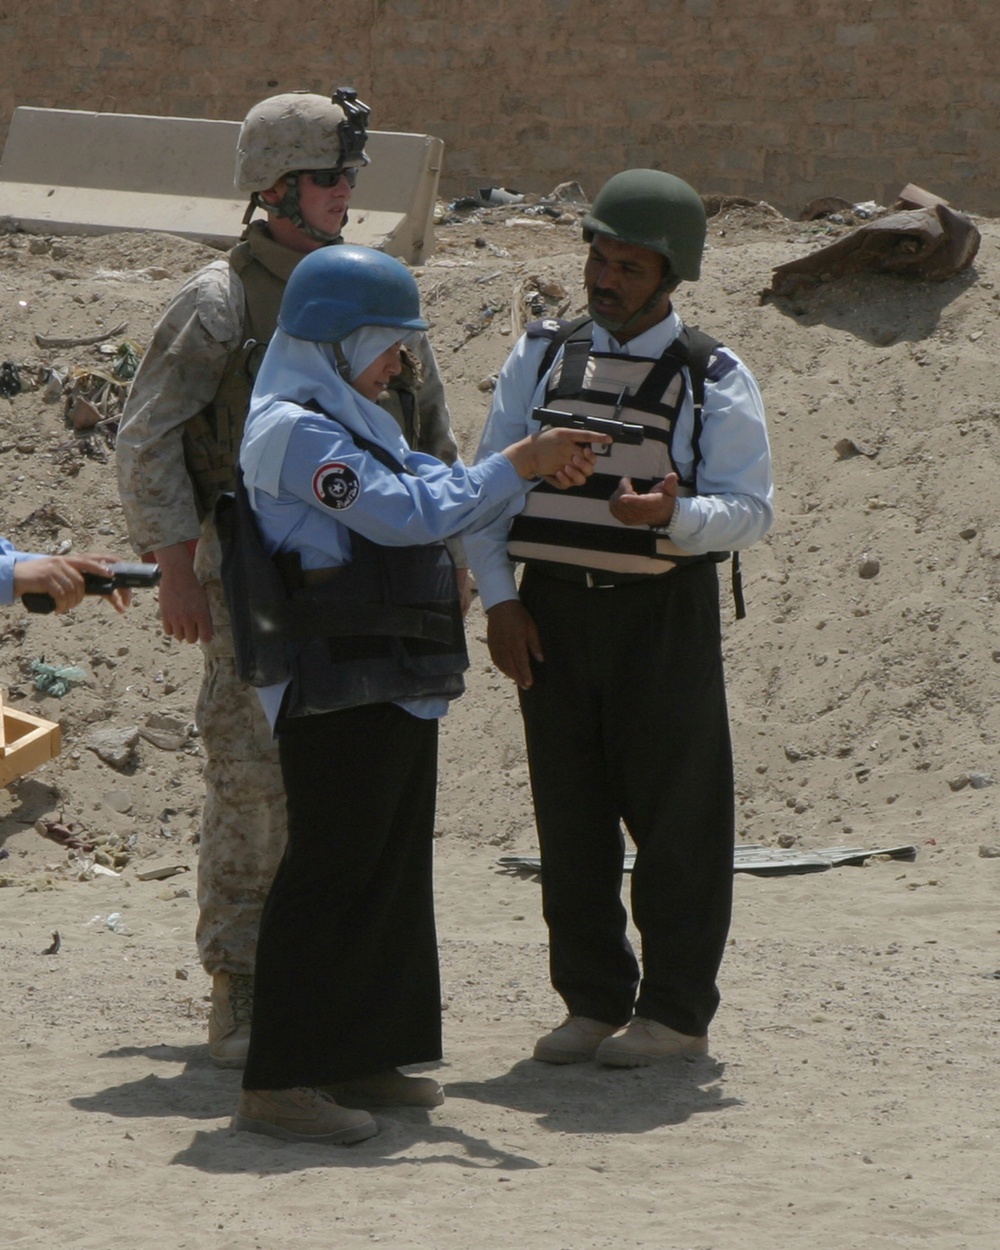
(9, 556)
(734, 504)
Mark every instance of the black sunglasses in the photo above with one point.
(330, 177)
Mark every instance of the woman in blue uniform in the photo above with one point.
(347, 987)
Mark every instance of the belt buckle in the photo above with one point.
(593, 584)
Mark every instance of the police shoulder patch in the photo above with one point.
(548, 328)
(336, 485)
(719, 364)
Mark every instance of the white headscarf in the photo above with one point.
(296, 372)
(367, 344)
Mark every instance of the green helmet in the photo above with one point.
(650, 208)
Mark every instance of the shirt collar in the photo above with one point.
(651, 344)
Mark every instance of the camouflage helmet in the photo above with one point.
(650, 208)
(299, 131)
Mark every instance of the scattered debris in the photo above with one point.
(96, 396)
(840, 212)
(475, 328)
(533, 298)
(977, 781)
(10, 380)
(113, 922)
(56, 944)
(764, 860)
(56, 679)
(929, 243)
(717, 203)
(989, 852)
(161, 872)
(569, 193)
(66, 835)
(83, 415)
(499, 195)
(913, 196)
(85, 340)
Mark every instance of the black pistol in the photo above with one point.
(620, 431)
(133, 576)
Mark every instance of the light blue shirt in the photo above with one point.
(9, 556)
(734, 504)
(431, 501)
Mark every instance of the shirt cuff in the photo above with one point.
(675, 526)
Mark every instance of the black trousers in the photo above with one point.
(627, 722)
(347, 977)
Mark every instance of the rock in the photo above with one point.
(116, 747)
(848, 447)
(868, 568)
(83, 415)
(118, 801)
(989, 852)
(979, 781)
(166, 732)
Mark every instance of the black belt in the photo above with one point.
(592, 579)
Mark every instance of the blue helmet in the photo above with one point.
(336, 290)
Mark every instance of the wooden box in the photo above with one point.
(26, 742)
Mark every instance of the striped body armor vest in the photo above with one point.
(645, 395)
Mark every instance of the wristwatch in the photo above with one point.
(668, 529)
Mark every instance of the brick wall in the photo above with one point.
(784, 100)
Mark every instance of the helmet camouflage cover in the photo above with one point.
(296, 131)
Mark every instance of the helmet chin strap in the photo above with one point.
(622, 327)
(289, 206)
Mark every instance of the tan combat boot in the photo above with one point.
(301, 1115)
(386, 1088)
(574, 1041)
(229, 1023)
(643, 1042)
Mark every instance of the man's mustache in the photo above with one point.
(600, 292)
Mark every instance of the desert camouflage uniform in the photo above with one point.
(177, 445)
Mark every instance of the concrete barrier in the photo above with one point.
(70, 172)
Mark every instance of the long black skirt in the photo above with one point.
(347, 979)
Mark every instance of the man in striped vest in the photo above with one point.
(613, 635)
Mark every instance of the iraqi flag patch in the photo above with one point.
(336, 485)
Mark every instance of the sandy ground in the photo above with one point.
(850, 1096)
